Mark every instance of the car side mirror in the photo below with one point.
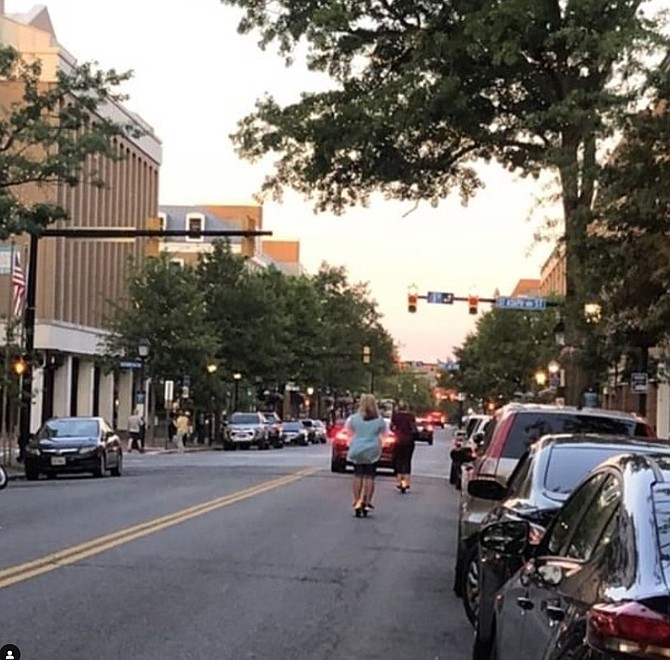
(506, 538)
(487, 489)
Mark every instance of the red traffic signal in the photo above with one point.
(411, 303)
(473, 301)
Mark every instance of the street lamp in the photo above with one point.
(553, 367)
(592, 312)
(540, 378)
(236, 377)
(211, 368)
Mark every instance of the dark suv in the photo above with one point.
(508, 435)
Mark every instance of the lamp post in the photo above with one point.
(143, 347)
(236, 377)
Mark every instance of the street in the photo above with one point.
(231, 555)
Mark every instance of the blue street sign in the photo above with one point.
(130, 364)
(528, 304)
(440, 297)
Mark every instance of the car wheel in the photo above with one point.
(101, 469)
(470, 583)
(4, 479)
(117, 470)
(430, 442)
(338, 466)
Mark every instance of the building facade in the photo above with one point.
(79, 279)
(553, 273)
(260, 253)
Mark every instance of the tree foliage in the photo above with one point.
(501, 357)
(422, 91)
(269, 327)
(49, 133)
(629, 258)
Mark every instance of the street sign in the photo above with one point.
(440, 297)
(130, 364)
(186, 380)
(169, 391)
(639, 382)
(528, 304)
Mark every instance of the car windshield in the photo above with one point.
(569, 464)
(244, 418)
(307, 423)
(292, 426)
(531, 426)
(272, 418)
(57, 429)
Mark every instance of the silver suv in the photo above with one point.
(510, 432)
(246, 430)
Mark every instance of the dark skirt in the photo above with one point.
(403, 457)
(365, 469)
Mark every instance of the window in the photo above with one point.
(195, 223)
(596, 519)
(521, 480)
(162, 217)
(177, 263)
(569, 516)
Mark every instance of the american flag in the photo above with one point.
(19, 285)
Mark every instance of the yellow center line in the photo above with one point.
(50, 562)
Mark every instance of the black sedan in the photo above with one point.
(74, 444)
(597, 585)
(540, 484)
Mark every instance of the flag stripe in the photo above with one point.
(19, 285)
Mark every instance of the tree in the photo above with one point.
(49, 133)
(501, 357)
(628, 254)
(422, 91)
(166, 306)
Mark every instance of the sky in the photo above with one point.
(195, 77)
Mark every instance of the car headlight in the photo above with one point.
(87, 450)
(34, 451)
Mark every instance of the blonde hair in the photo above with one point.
(367, 406)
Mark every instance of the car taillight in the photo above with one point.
(389, 439)
(429, 427)
(489, 465)
(342, 436)
(630, 628)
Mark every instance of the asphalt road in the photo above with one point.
(231, 556)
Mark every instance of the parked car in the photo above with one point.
(541, 482)
(596, 586)
(295, 433)
(275, 429)
(311, 429)
(245, 430)
(320, 429)
(472, 437)
(74, 444)
(512, 430)
(424, 430)
(340, 447)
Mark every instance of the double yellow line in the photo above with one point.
(31, 569)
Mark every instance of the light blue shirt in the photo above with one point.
(366, 441)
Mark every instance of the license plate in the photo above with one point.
(58, 460)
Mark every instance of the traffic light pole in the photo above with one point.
(31, 292)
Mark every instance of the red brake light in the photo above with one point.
(630, 628)
(489, 465)
(389, 438)
(429, 427)
(342, 436)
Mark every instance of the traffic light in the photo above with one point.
(19, 365)
(473, 301)
(366, 355)
(411, 303)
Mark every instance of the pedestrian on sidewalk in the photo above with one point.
(403, 424)
(135, 426)
(367, 427)
(182, 423)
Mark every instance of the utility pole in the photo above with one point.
(91, 233)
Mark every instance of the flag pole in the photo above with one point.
(7, 443)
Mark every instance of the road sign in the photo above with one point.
(440, 297)
(130, 364)
(528, 304)
(639, 382)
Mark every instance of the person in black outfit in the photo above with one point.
(403, 424)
